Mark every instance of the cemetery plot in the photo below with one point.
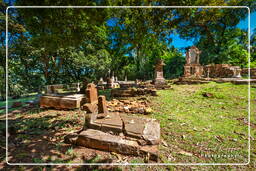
(196, 122)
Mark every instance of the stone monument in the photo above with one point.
(118, 132)
(159, 74)
(192, 68)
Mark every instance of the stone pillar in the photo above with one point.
(91, 93)
(208, 72)
(187, 71)
(102, 105)
(159, 74)
(192, 68)
(236, 71)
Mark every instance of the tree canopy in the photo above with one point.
(64, 45)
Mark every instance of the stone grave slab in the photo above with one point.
(110, 123)
(100, 140)
(62, 101)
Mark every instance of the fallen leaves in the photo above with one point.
(185, 153)
(219, 138)
(164, 143)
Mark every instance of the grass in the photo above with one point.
(197, 129)
(208, 129)
(11, 101)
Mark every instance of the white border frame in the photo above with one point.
(147, 164)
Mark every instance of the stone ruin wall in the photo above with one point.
(244, 72)
(218, 71)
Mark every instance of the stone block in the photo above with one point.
(100, 140)
(62, 102)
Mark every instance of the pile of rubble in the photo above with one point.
(114, 131)
(130, 106)
(132, 92)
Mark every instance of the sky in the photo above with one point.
(180, 43)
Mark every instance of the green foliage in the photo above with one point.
(230, 47)
(48, 46)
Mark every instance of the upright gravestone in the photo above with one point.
(159, 76)
(192, 68)
(110, 83)
(91, 93)
(102, 105)
(101, 81)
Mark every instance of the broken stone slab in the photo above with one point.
(90, 108)
(62, 102)
(151, 132)
(244, 81)
(131, 126)
(112, 123)
(132, 92)
(142, 128)
(104, 141)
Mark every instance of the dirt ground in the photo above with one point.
(37, 136)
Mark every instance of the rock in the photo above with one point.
(164, 143)
(185, 153)
(151, 133)
(153, 93)
(148, 110)
(17, 111)
(16, 104)
(207, 94)
(141, 110)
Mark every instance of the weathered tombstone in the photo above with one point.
(159, 76)
(101, 81)
(116, 79)
(110, 83)
(84, 86)
(208, 72)
(237, 72)
(91, 93)
(102, 106)
(119, 133)
(192, 66)
(125, 79)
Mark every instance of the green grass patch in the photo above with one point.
(212, 129)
